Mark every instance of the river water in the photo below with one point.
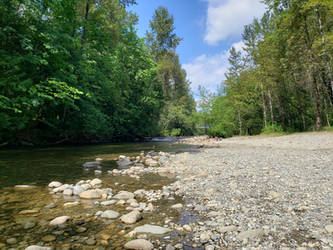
(39, 166)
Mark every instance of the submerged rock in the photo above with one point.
(35, 247)
(91, 164)
(131, 217)
(124, 195)
(152, 229)
(23, 187)
(124, 162)
(78, 189)
(139, 244)
(110, 214)
(59, 220)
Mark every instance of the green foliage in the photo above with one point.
(272, 129)
(75, 70)
(283, 81)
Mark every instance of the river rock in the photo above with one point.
(91, 164)
(35, 247)
(151, 229)
(108, 203)
(55, 184)
(59, 220)
(131, 217)
(11, 241)
(29, 211)
(177, 206)
(140, 193)
(68, 192)
(110, 214)
(227, 229)
(91, 194)
(29, 225)
(139, 244)
(249, 234)
(151, 163)
(124, 195)
(95, 182)
(329, 228)
(49, 238)
(71, 204)
(61, 188)
(124, 162)
(23, 187)
(78, 189)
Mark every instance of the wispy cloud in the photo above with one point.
(226, 18)
(209, 70)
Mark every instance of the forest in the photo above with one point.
(76, 71)
(282, 81)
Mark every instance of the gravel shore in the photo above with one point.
(259, 192)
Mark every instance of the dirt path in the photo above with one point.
(265, 192)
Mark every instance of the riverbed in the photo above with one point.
(25, 213)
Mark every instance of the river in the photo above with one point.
(24, 215)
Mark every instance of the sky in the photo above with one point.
(209, 29)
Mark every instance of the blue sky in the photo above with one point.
(209, 29)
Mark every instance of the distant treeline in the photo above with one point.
(76, 71)
(283, 80)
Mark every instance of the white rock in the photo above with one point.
(151, 229)
(139, 244)
(108, 203)
(110, 214)
(68, 192)
(140, 193)
(59, 220)
(55, 184)
(329, 228)
(71, 204)
(177, 206)
(95, 182)
(91, 194)
(35, 247)
(249, 234)
(124, 195)
(77, 189)
(131, 217)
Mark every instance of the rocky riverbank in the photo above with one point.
(260, 192)
(245, 192)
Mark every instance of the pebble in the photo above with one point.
(49, 238)
(11, 241)
(110, 214)
(139, 244)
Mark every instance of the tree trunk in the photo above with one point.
(264, 104)
(326, 114)
(271, 109)
(303, 120)
(314, 80)
(240, 122)
(84, 26)
(327, 59)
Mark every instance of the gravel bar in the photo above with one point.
(259, 192)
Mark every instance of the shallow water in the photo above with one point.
(40, 166)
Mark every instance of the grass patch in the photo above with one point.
(328, 129)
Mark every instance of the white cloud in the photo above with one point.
(209, 70)
(226, 18)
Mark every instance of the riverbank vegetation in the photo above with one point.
(282, 81)
(76, 71)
